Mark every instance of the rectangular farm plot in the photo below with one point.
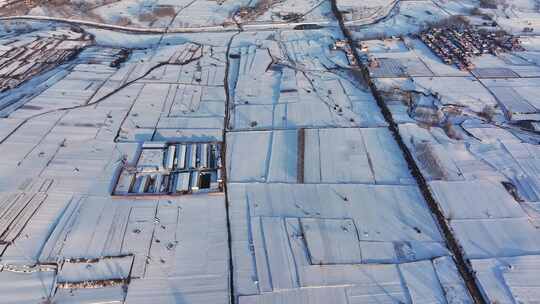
(75, 273)
(331, 241)
(333, 155)
(173, 168)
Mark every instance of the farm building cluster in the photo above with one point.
(168, 168)
(24, 57)
(456, 45)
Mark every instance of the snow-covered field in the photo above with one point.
(474, 136)
(174, 14)
(315, 152)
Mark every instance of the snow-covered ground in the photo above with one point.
(308, 191)
(358, 167)
(474, 136)
(175, 14)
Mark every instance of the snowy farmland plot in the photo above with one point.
(269, 151)
(301, 92)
